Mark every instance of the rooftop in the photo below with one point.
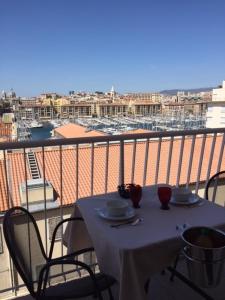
(5, 131)
(72, 130)
(139, 130)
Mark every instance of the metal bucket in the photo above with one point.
(205, 254)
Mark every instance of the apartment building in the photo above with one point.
(8, 128)
(143, 108)
(195, 108)
(35, 111)
(149, 97)
(215, 117)
(75, 110)
(50, 105)
(112, 109)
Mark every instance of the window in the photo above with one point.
(52, 222)
(1, 241)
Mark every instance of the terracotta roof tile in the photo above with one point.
(72, 130)
(3, 188)
(5, 131)
(139, 130)
(53, 164)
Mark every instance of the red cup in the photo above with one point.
(135, 195)
(164, 194)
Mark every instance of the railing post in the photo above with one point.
(121, 181)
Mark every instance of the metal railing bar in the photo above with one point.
(221, 154)
(106, 167)
(45, 203)
(215, 184)
(121, 179)
(180, 160)
(169, 160)
(191, 159)
(6, 180)
(92, 169)
(200, 163)
(25, 173)
(61, 200)
(210, 158)
(218, 167)
(104, 139)
(77, 171)
(27, 206)
(11, 267)
(146, 162)
(133, 161)
(158, 161)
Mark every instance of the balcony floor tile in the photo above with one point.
(162, 289)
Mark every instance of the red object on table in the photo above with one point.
(135, 195)
(164, 194)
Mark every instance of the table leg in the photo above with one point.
(147, 286)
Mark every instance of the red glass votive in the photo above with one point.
(135, 195)
(164, 194)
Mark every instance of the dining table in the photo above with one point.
(132, 254)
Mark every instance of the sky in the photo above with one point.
(90, 45)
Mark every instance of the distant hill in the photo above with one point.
(174, 92)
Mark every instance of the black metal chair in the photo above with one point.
(34, 265)
(215, 188)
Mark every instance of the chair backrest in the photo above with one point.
(24, 244)
(215, 188)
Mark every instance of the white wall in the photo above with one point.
(219, 94)
(215, 115)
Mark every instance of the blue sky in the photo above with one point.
(145, 45)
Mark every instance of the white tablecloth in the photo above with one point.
(131, 254)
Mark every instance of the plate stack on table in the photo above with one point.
(183, 196)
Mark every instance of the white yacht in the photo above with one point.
(35, 124)
(55, 123)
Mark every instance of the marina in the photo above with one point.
(28, 131)
(118, 125)
(36, 130)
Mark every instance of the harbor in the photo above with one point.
(36, 130)
(119, 125)
(28, 131)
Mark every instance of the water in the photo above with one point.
(41, 133)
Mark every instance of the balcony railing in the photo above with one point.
(48, 176)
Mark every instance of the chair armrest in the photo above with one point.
(55, 232)
(43, 276)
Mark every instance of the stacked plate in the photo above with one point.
(183, 196)
(116, 210)
(103, 213)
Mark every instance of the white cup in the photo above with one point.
(117, 208)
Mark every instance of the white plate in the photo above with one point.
(193, 199)
(103, 213)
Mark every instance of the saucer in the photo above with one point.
(103, 213)
(192, 199)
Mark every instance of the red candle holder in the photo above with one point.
(164, 194)
(135, 195)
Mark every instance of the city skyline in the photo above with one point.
(92, 45)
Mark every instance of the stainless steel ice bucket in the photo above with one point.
(204, 250)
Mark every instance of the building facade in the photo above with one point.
(215, 117)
